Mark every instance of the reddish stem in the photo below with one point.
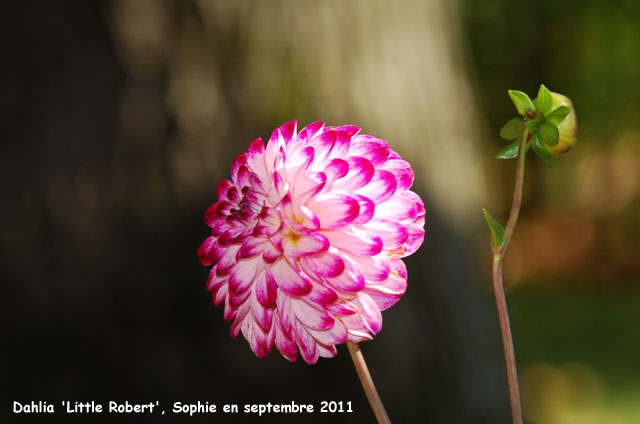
(367, 383)
(503, 313)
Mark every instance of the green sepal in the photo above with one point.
(510, 152)
(548, 133)
(522, 102)
(497, 231)
(544, 101)
(558, 115)
(540, 151)
(512, 129)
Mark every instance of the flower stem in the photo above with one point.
(503, 313)
(367, 383)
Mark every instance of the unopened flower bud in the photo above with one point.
(567, 128)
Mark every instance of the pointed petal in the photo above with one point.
(288, 279)
(314, 317)
(337, 334)
(392, 233)
(209, 253)
(350, 280)
(310, 131)
(381, 188)
(306, 343)
(361, 171)
(369, 311)
(322, 294)
(402, 171)
(325, 264)
(263, 316)
(303, 245)
(387, 293)
(356, 242)
(398, 208)
(266, 291)
(376, 150)
(243, 274)
(228, 260)
(284, 344)
(367, 209)
(334, 210)
(374, 268)
(251, 246)
(356, 327)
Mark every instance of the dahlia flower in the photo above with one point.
(306, 239)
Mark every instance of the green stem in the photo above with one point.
(503, 313)
(367, 383)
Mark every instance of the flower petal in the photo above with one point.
(306, 343)
(398, 208)
(355, 241)
(392, 233)
(313, 317)
(266, 290)
(402, 171)
(288, 279)
(350, 280)
(381, 188)
(334, 210)
(374, 268)
(361, 171)
(369, 311)
(337, 334)
(286, 346)
(376, 150)
(209, 253)
(303, 245)
(324, 264)
(387, 293)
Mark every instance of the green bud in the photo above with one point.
(567, 124)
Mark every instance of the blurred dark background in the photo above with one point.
(118, 119)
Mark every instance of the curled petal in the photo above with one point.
(336, 334)
(381, 188)
(402, 171)
(399, 208)
(266, 291)
(360, 173)
(288, 279)
(369, 311)
(356, 242)
(387, 293)
(312, 317)
(393, 234)
(376, 150)
(334, 210)
(350, 280)
(306, 343)
(325, 264)
(243, 274)
(209, 252)
(304, 245)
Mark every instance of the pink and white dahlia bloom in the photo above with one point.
(307, 236)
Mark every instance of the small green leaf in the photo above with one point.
(540, 151)
(558, 115)
(510, 152)
(522, 102)
(497, 231)
(544, 101)
(548, 134)
(512, 129)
